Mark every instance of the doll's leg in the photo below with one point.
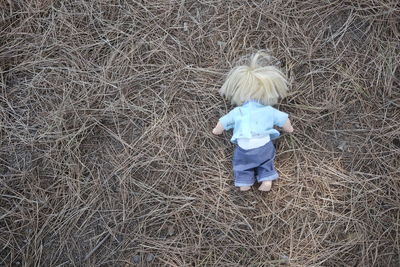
(265, 175)
(243, 169)
(266, 172)
(244, 179)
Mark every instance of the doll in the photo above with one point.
(254, 87)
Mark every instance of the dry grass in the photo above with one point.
(107, 156)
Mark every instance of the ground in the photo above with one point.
(107, 156)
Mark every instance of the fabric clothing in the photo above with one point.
(253, 120)
(254, 164)
(250, 143)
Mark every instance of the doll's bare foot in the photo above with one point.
(265, 186)
(245, 188)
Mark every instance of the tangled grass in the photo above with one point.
(107, 156)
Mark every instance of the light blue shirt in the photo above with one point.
(253, 120)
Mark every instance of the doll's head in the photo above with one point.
(256, 80)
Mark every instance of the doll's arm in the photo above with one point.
(287, 127)
(226, 122)
(218, 129)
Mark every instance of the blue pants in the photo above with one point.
(252, 164)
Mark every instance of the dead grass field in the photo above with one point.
(107, 156)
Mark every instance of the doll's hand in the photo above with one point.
(287, 127)
(219, 129)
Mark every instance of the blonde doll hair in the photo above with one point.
(258, 80)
